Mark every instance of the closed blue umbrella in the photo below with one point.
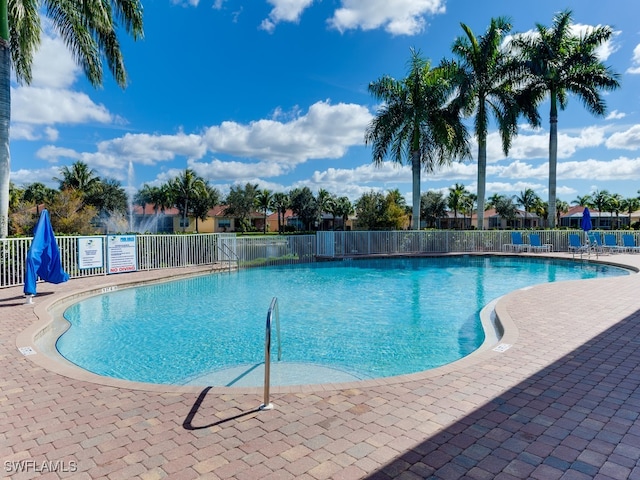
(585, 223)
(43, 257)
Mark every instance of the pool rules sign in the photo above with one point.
(121, 253)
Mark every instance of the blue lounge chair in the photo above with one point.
(611, 244)
(536, 245)
(595, 243)
(629, 243)
(575, 244)
(516, 245)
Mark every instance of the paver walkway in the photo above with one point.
(562, 402)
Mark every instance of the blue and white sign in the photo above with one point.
(90, 253)
(121, 253)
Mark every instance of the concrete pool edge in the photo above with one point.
(38, 337)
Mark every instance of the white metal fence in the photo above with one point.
(174, 251)
(167, 251)
(346, 244)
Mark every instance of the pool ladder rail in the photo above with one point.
(273, 311)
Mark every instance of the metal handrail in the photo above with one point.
(273, 310)
(229, 253)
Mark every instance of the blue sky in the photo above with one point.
(274, 92)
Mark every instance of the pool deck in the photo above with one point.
(559, 398)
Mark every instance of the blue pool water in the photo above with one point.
(367, 318)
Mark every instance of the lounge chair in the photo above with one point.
(516, 245)
(629, 243)
(576, 245)
(535, 245)
(595, 243)
(611, 244)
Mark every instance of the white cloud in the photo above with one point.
(627, 140)
(49, 106)
(50, 99)
(148, 149)
(186, 3)
(616, 169)
(326, 131)
(242, 172)
(616, 115)
(400, 17)
(635, 61)
(53, 65)
(24, 177)
(284, 11)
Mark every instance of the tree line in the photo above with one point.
(83, 199)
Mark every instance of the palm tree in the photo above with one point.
(468, 202)
(418, 123)
(614, 205)
(506, 209)
(78, 177)
(433, 207)
(454, 200)
(485, 83)
(493, 200)
(344, 210)
(89, 29)
(560, 63)
(600, 201)
(630, 205)
(185, 188)
(325, 202)
(205, 199)
(281, 204)
(583, 201)
(562, 207)
(264, 202)
(527, 199)
(144, 197)
(38, 193)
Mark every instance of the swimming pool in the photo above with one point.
(361, 318)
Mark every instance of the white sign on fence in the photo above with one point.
(121, 253)
(90, 253)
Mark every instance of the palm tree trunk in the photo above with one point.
(5, 118)
(415, 170)
(553, 158)
(482, 179)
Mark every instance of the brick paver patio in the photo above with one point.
(561, 403)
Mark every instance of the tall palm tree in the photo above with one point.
(264, 202)
(560, 63)
(527, 199)
(89, 29)
(486, 88)
(185, 188)
(418, 123)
